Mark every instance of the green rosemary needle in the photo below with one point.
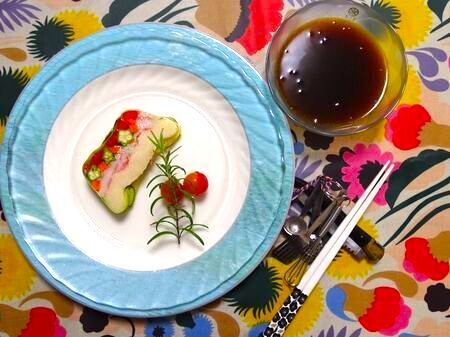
(178, 220)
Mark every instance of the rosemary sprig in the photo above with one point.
(178, 220)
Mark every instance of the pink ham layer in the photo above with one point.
(144, 122)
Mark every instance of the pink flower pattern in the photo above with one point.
(353, 168)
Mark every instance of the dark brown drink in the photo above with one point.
(331, 72)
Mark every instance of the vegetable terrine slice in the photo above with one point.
(124, 155)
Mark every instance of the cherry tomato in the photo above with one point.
(171, 192)
(195, 184)
(130, 116)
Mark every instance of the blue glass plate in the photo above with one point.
(158, 292)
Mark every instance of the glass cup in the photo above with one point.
(381, 32)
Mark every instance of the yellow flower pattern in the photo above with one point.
(371, 135)
(16, 275)
(30, 71)
(346, 266)
(83, 23)
(2, 131)
(413, 88)
(415, 21)
(311, 310)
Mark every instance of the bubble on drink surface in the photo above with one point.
(353, 11)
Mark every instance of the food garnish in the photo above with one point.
(179, 219)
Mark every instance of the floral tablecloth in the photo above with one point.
(407, 294)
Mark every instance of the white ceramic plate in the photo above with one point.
(213, 141)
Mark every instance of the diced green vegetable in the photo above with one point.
(108, 156)
(94, 173)
(125, 137)
(130, 194)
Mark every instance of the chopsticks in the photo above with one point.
(293, 303)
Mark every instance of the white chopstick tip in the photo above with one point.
(391, 168)
(386, 174)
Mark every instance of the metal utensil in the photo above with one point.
(308, 204)
(295, 272)
(357, 239)
(322, 217)
(317, 206)
(293, 246)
